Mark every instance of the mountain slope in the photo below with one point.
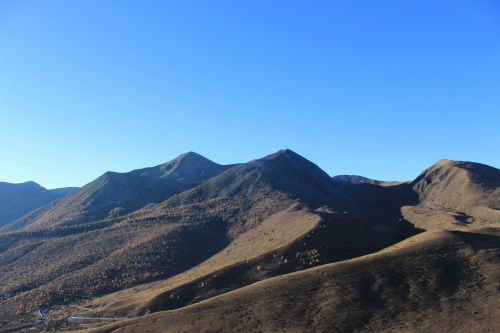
(116, 194)
(377, 202)
(278, 206)
(455, 194)
(433, 282)
(63, 191)
(257, 220)
(18, 199)
(353, 179)
(275, 182)
(252, 222)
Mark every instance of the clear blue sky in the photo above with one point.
(377, 88)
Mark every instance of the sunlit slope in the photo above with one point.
(456, 195)
(433, 282)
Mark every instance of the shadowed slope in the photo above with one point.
(433, 282)
(18, 199)
(116, 194)
(353, 179)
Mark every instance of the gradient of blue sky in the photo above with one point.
(377, 88)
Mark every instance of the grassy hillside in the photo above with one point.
(252, 223)
(433, 282)
(281, 212)
(456, 195)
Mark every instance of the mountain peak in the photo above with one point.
(190, 163)
(282, 152)
(287, 158)
(125, 192)
(190, 158)
(286, 151)
(445, 165)
(26, 185)
(293, 173)
(190, 155)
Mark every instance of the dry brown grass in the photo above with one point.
(433, 282)
(256, 221)
(456, 195)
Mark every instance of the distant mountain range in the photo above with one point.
(19, 199)
(116, 194)
(163, 238)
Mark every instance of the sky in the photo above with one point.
(382, 88)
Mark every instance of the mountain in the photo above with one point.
(445, 281)
(455, 194)
(278, 180)
(116, 194)
(281, 210)
(448, 195)
(353, 179)
(63, 191)
(18, 199)
(252, 222)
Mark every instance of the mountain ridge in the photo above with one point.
(226, 209)
(250, 222)
(115, 194)
(456, 194)
(21, 198)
